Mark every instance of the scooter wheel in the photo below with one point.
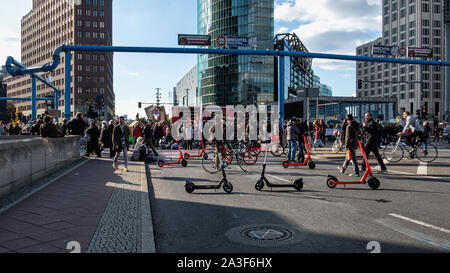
(298, 184)
(312, 165)
(190, 187)
(184, 163)
(161, 163)
(205, 156)
(228, 187)
(259, 185)
(331, 179)
(374, 183)
(285, 165)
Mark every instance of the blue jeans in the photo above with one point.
(292, 150)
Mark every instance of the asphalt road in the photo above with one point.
(409, 213)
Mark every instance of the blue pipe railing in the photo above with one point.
(268, 52)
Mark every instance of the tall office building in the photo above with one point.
(186, 90)
(52, 23)
(408, 23)
(232, 80)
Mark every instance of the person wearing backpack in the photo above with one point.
(374, 131)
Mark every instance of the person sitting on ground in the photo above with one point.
(48, 129)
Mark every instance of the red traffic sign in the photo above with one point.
(221, 41)
(402, 51)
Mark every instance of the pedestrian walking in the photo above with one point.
(92, 140)
(374, 131)
(148, 137)
(292, 138)
(351, 144)
(121, 136)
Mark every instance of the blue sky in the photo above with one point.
(331, 26)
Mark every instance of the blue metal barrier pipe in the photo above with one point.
(67, 82)
(33, 98)
(26, 99)
(281, 89)
(267, 52)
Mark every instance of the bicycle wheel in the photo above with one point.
(250, 157)
(336, 148)
(427, 153)
(241, 162)
(393, 153)
(209, 163)
(277, 150)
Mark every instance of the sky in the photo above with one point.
(324, 26)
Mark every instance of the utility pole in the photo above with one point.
(158, 96)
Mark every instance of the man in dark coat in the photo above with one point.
(77, 125)
(93, 145)
(48, 129)
(373, 130)
(121, 136)
(352, 133)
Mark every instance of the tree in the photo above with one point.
(10, 111)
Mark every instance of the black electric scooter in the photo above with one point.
(224, 183)
(298, 184)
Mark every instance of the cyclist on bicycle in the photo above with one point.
(411, 131)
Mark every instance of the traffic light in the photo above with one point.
(424, 112)
(418, 113)
(360, 84)
(140, 105)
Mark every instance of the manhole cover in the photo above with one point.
(270, 235)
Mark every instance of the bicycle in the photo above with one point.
(423, 151)
(338, 145)
(209, 161)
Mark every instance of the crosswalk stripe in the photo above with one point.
(422, 169)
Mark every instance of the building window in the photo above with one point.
(88, 12)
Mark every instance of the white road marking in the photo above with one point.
(422, 169)
(411, 174)
(416, 235)
(279, 178)
(419, 223)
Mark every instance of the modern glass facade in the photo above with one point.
(232, 80)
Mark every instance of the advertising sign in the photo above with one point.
(385, 50)
(420, 52)
(194, 40)
(241, 42)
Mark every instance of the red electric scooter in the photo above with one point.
(202, 154)
(373, 182)
(307, 161)
(181, 160)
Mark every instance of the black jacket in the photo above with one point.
(148, 132)
(373, 134)
(352, 133)
(94, 133)
(118, 135)
(77, 126)
(50, 131)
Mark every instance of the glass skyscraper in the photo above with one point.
(232, 80)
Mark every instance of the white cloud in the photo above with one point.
(347, 75)
(9, 44)
(282, 30)
(332, 26)
(131, 73)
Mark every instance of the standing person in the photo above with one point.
(48, 129)
(92, 141)
(292, 138)
(121, 136)
(77, 125)
(303, 129)
(351, 144)
(107, 138)
(373, 130)
(64, 128)
(16, 130)
(318, 134)
(322, 133)
(148, 137)
(2, 129)
(137, 132)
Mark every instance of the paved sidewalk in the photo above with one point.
(102, 210)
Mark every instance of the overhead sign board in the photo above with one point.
(54, 113)
(420, 52)
(194, 40)
(241, 42)
(385, 50)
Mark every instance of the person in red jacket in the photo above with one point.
(137, 132)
